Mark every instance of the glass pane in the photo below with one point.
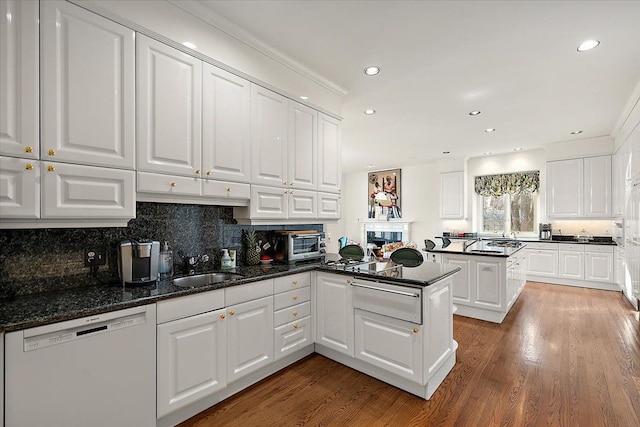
(493, 214)
(522, 212)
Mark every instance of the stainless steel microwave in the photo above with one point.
(296, 246)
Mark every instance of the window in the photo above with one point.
(508, 202)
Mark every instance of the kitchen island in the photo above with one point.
(492, 276)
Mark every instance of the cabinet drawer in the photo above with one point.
(290, 314)
(294, 281)
(191, 305)
(227, 190)
(287, 299)
(572, 248)
(292, 337)
(599, 248)
(168, 184)
(248, 292)
(538, 245)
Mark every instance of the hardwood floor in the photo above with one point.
(564, 356)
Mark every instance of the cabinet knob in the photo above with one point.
(222, 316)
(284, 183)
(348, 281)
(291, 184)
(231, 313)
(295, 282)
(295, 326)
(208, 173)
(228, 189)
(173, 184)
(295, 298)
(28, 166)
(51, 168)
(295, 313)
(28, 149)
(52, 152)
(197, 171)
(416, 330)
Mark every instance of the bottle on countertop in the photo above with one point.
(233, 255)
(165, 266)
(226, 259)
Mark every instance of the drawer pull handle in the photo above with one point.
(173, 184)
(295, 298)
(52, 152)
(51, 168)
(391, 291)
(28, 166)
(28, 149)
(208, 173)
(295, 313)
(416, 330)
(222, 316)
(295, 326)
(231, 313)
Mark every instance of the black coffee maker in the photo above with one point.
(545, 231)
(138, 262)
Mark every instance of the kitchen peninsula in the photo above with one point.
(492, 275)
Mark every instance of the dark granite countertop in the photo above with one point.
(29, 311)
(478, 248)
(597, 240)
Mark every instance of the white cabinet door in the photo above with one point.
(334, 313)
(542, 262)
(302, 204)
(597, 186)
(249, 337)
(269, 113)
(191, 360)
(329, 154)
(452, 195)
(226, 125)
(19, 79)
(461, 287)
(303, 147)
(292, 337)
(169, 104)
(269, 202)
(329, 206)
(598, 266)
(19, 188)
(87, 82)
(571, 264)
(489, 284)
(565, 188)
(391, 344)
(77, 191)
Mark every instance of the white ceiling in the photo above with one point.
(516, 61)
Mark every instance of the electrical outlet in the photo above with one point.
(94, 257)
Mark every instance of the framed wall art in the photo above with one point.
(384, 195)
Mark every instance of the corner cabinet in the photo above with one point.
(579, 188)
(452, 195)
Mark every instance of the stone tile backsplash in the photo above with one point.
(43, 260)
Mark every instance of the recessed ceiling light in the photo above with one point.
(370, 166)
(490, 130)
(474, 113)
(487, 153)
(576, 132)
(190, 45)
(518, 149)
(446, 152)
(369, 112)
(304, 97)
(588, 45)
(372, 71)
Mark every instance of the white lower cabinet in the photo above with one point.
(571, 263)
(598, 266)
(542, 262)
(391, 344)
(191, 360)
(334, 313)
(292, 314)
(292, 337)
(249, 337)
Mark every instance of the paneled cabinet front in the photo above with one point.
(87, 87)
(19, 188)
(302, 161)
(334, 313)
(329, 154)
(269, 131)
(19, 73)
(169, 102)
(282, 203)
(191, 360)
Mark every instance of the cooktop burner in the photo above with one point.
(344, 262)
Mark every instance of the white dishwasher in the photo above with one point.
(94, 371)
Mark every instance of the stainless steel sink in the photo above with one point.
(205, 279)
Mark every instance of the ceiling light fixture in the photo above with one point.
(576, 132)
(190, 45)
(487, 153)
(370, 166)
(304, 97)
(588, 45)
(518, 149)
(446, 152)
(372, 71)
(369, 112)
(490, 130)
(474, 113)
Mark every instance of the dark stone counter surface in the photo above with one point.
(28, 311)
(479, 248)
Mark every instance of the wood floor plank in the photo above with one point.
(564, 356)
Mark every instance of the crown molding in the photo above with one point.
(198, 10)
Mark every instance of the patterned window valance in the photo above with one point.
(508, 183)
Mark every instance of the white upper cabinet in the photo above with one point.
(268, 137)
(169, 101)
(329, 205)
(565, 189)
(452, 195)
(329, 154)
(302, 147)
(579, 188)
(88, 113)
(226, 126)
(19, 188)
(19, 115)
(597, 186)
